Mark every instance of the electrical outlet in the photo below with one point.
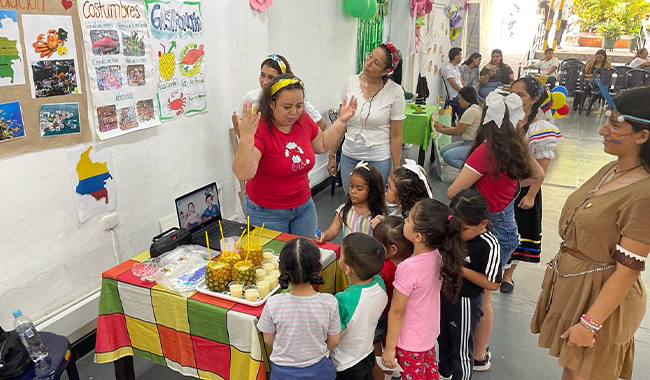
(168, 222)
(110, 221)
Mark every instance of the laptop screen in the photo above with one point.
(198, 208)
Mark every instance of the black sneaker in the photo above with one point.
(483, 365)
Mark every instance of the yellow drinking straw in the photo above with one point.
(248, 236)
(222, 238)
(236, 244)
(259, 236)
(207, 242)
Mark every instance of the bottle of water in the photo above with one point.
(29, 336)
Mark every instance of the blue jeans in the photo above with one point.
(505, 228)
(348, 164)
(454, 154)
(301, 220)
(485, 89)
(323, 370)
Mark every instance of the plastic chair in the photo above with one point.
(568, 62)
(637, 78)
(59, 359)
(621, 78)
(573, 78)
(333, 115)
(455, 107)
(606, 77)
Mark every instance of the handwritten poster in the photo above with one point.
(120, 69)
(11, 55)
(51, 55)
(176, 29)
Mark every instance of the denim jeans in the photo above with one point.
(454, 154)
(505, 228)
(348, 164)
(485, 89)
(301, 220)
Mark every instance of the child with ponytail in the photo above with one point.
(301, 325)
(436, 264)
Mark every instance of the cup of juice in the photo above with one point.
(236, 289)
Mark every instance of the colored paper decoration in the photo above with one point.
(261, 5)
(455, 20)
(370, 33)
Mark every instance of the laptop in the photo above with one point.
(199, 211)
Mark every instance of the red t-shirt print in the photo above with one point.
(282, 178)
(498, 189)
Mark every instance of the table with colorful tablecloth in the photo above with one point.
(416, 128)
(200, 335)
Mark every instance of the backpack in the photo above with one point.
(14, 358)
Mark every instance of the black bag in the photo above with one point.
(168, 240)
(14, 358)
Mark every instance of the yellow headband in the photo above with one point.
(274, 57)
(284, 83)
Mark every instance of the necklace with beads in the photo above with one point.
(607, 178)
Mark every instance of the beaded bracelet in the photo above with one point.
(590, 324)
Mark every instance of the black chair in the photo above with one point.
(333, 115)
(455, 106)
(568, 62)
(621, 78)
(606, 77)
(573, 78)
(637, 78)
(571, 63)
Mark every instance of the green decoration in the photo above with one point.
(356, 8)
(371, 12)
(370, 33)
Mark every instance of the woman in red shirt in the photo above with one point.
(277, 149)
(499, 163)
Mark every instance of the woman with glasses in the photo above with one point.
(374, 133)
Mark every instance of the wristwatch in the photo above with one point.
(332, 156)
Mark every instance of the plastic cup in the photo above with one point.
(268, 254)
(236, 289)
(228, 244)
(273, 281)
(275, 273)
(251, 293)
(263, 287)
(268, 265)
(259, 273)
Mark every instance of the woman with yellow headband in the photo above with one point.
(277, 149)
(593, 299)
(273, 66)
(374, 134)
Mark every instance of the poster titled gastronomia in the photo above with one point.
(176, 29)
(116, 39)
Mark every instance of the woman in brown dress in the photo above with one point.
(594, 280)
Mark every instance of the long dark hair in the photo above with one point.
(396, 75)
(506, 147)
(471, 58)
(441, 230)
(634, 102)
(409, 188)
(603, 53)
(469, 94)
(270, 62)
(266, 98)
(371, 176)
(505, 77)
(300, 263)
(471, 207)
(391, 232)
(534, 89)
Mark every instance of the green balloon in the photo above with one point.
(371, 12)
(357, 8)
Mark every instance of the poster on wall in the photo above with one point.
(119, 65)
(93, 185)
(176, 29)
(51, 55)
(11, 55)
(11, 121)
(59, 119)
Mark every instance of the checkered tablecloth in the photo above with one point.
(200, 336)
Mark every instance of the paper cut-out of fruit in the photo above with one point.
(167, 62)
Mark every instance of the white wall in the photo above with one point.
(49, 259)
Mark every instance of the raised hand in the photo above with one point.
(249, 120)
(347, 109)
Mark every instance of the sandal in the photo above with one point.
(507, 287)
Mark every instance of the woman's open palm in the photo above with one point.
(348, 108)
(249, 120)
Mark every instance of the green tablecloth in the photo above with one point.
(417, 127)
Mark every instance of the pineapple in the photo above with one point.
(167, 62)
(244, 271)
(230, 257)
(256, 254)
(218, 275)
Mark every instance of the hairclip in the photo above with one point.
(279, 85)
(496, 108)
(280, 62)
(361, 164)
(396, 56)
(412, 166)
(450, 217)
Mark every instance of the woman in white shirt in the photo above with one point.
(454, 154)
(374, 133)
(273, 66)
(641, 60)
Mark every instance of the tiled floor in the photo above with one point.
(514, 348)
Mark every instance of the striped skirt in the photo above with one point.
(529, 223)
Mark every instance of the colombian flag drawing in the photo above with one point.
(92, 177)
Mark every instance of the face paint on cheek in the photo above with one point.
(616, 137)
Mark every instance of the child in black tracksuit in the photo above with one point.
(458, 321)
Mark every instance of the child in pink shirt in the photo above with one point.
(436, 264)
